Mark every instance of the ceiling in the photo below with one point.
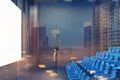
(55, 0)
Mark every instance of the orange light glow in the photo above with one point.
(23, 59)
(49, 71)
(102, 78)
(73, 58)
(53, 74)
(99, 77)
(23, 52)
(42, 66)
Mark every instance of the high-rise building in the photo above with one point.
(87, 34)
(43, 38)
(106, 29)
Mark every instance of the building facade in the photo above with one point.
(87, 34)
(106, 29)
(43, 38)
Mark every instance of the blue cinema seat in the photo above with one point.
(105, 64)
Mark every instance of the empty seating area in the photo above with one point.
(102, 66)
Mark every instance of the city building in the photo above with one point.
(87, 34)
(43, 38)
(106, 29)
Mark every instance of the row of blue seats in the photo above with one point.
(105, 68)
(76, 72)
(114, 49)
(104, 65)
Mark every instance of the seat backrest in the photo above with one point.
(97, 63)
(112, 71)
(106, 69)
(118, 73)
(102, 65)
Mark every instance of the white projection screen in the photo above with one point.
(10, 32)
